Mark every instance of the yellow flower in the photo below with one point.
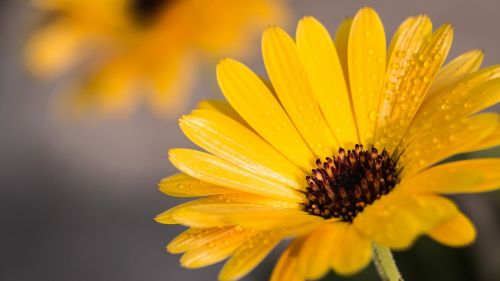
(262, 178)
(129, 46)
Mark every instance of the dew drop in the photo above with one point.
(394, 65)
(372, 115)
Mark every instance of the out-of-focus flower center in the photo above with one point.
(145, 11)
(342, 186)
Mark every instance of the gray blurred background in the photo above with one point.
(77, 198)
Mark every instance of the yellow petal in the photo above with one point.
(396, 220)
(323, 68)
(196, 237)
(469, 95)
(233, 142)
(249, 255)
(245, 91)
(315, 254)
(467, 176)
(215, 251)
(439, 143)
(286, 268)
(455, 70)
(217, 171)
(167, 216)
(341, 42)
(396, 116)
(413, 33)
(246, 215)
(491, 141)
(55, 48)
(223, 107)
(170, 85)
(403, 29)
(351, 252)
(294, 91)
(366, 63)
(181, 185)
(455, 232)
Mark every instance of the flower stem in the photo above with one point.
(385, 264)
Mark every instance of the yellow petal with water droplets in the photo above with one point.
(397, 219)
(403, 30)
(366, 66)
(341, 42)
(249, 255)
(181, 185)
(223, 107)
(473, 94)
(455, 70)
(294, 91)
(246, 215)
(401, 62)
(215, 170)
(315, 254)
(455, 232)
(286, 268)
(465, 97)
(245, 91)
(167, 216)
(233, 142)
(323, 68)
(197, 237)
(423, 67)
(469, 176)
(351, 252)
(216, 250)
(440, 142)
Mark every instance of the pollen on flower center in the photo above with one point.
(342, 186)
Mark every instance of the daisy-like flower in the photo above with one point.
(130, 46)
(338, 152)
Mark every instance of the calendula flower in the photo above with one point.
(338, 152)
(139, 46)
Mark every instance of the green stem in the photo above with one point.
(386, 266)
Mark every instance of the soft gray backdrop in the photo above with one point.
(77, 198)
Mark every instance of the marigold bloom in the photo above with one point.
(132, 46)
(338, 154)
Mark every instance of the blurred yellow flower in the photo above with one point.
(131, 46)
(263, 181)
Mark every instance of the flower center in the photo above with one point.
(144, 11)
(341, 187)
